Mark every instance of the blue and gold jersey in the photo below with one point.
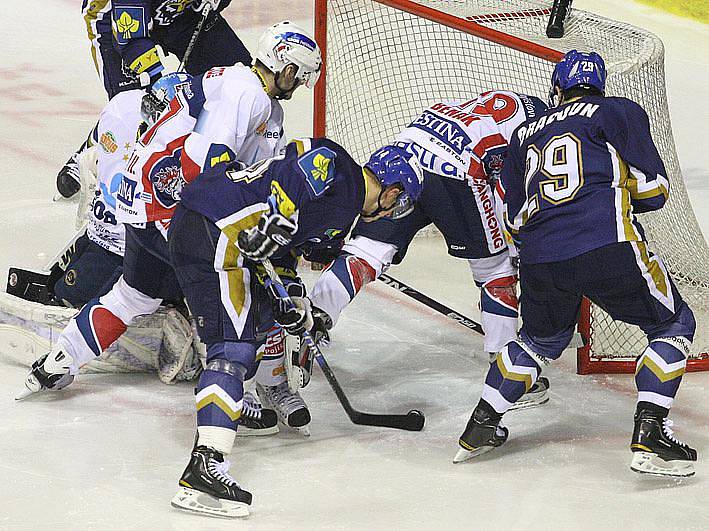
(133, 20)
(316, 183)
(575, 177)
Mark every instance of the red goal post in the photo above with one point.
(386, 60)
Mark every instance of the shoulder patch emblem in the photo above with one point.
(319, 169)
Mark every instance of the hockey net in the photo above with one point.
(387, 60)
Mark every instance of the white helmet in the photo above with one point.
(284, 44)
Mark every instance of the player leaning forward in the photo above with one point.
(228, 221)
(573, 181)
(229, 113)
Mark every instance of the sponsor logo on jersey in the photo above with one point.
(332, 233)
(318, 168)
(490, 223)
(108, 142)
(447, 131)
(129, 23)
(126, 191)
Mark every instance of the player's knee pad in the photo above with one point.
(683, 325)
(127, 303)
(547, 348)
(241, 356)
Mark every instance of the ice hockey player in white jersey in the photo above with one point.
(461, 146)
(229, 113)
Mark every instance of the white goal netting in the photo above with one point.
(385, 65)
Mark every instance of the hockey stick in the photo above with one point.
(577, 340)
(431, 303)
(412, 421)
(195, 35)
(557, 17)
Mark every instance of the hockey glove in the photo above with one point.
(273, 232)
(294, 319)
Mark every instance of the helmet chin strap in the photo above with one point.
(281, 91)
(379, 208)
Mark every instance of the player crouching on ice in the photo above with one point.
(460, 172)
(231, 219)
(573, 181)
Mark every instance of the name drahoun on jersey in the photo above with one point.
(580, 108)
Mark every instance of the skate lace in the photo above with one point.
(669, 433)
(281, 396)
(251, 407)
(220, 471)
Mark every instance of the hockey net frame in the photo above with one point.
(521, 58)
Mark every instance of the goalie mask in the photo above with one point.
(162, 91)
(284, 44)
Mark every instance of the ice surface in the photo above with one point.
(107, 452)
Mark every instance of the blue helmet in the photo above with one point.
(393, 165)
(162, 91)
(578, 69)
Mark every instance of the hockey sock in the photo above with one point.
(271, 370)
(498, 305)
(511, 375)
(659, 370)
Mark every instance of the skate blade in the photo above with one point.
(253, 432)
(531, 402)
(464, 455)
(194, 501)
(649, 463)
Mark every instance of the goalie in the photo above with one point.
(38, 305)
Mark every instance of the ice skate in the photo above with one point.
(207, 488)
(537, 395)
(255, 420)
(483, 432)
(51, 371)
(656, 450)
(288, 405)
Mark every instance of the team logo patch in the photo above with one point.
(129, 23)
(319, 169)
(70, 277)
(331, 233)
(167, 179)
(108, 142)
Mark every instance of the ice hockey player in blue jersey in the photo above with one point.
(228, 221)
(573, 182)
(461, 146)
(124, 36)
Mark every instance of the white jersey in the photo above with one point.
(222, 116)
(454, 138)
(117, 129)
